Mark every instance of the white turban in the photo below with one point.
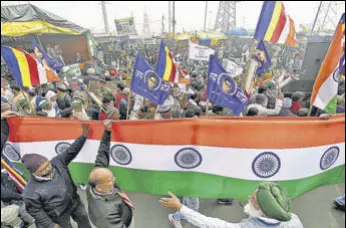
(287, 103)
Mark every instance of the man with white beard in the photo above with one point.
(269, 206)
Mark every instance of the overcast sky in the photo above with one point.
(189, 14)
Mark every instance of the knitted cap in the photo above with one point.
(33, 161)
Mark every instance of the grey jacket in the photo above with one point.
(47, 200)
(107, 211)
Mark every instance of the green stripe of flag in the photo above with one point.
(201, 185)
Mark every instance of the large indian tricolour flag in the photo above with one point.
(325, 91)
(213, 158)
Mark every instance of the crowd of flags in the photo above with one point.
(274, 26)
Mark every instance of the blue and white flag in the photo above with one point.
(262, 57)
(146, 82)
(51, 63)
(223, 90)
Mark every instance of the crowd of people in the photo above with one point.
(103, 93)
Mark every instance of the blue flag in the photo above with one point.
(262, 57)
(223, 90)
(51, 63)
(146, 83)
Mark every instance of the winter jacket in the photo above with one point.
(46, 200)
(9, 191)
(107, 211)
(64, 104)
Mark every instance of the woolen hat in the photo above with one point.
(33, 161)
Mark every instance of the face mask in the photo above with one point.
(44, 178)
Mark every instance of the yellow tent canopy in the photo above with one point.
(20, 20)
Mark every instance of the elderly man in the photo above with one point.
(269, 206)
(285, 110)
(51, 196)
(109, 207)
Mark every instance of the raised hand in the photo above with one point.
(171, 203)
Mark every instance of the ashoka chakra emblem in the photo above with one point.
(188, 158)
(266, 165)
(62, 147)
(11, 152)
(329, 158)
(121, 155)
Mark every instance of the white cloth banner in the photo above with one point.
(198, 52)
(232, 68)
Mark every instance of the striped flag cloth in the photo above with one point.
(92, 97)
(165, 67)
(26, 70)
(325, 90)
(275, 25)
(126, 199)
(201, 154)
(15, 174)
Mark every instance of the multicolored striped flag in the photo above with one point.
(275, 25)
(165, 67)
(325, 90)
(183, 155)
(26, 70)
(15, 174)
(92, 97)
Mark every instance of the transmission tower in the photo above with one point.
(226, 18)
(146, 28)
(328, 16)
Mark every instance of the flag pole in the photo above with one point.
(207, 108)
(33, 111)
(249, 64)
(128, 104)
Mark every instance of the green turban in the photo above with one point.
(274, 201)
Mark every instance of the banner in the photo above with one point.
(230, 154)
(147, 83)
(232, 68)
(223, 90)
(125, 26)
(198, 52)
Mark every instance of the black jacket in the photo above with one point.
(46, 200)
(9, 191)
(107, 211)
(5, 131)
(64, 104)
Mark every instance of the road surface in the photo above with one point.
(314, 209)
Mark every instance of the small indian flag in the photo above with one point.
(324, 94)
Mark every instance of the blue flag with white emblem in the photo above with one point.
(223, 90)
(262, 57)
(146, 82)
